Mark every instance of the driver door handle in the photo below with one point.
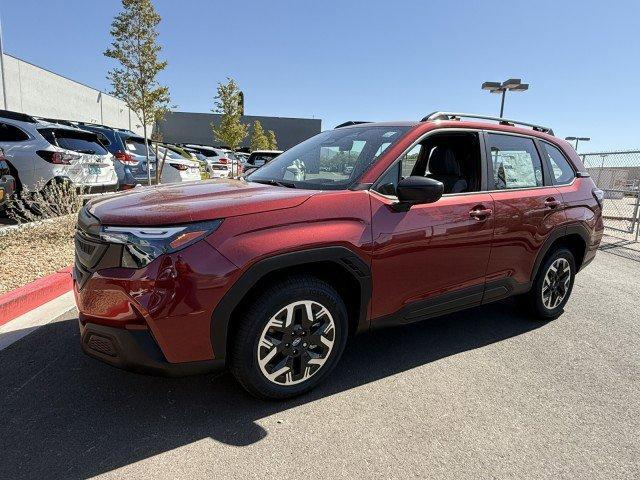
(480, 213)
(551, 203)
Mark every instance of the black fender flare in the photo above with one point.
(558, 233)
(342, 256)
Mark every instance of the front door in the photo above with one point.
(431, 259)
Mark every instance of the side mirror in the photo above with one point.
(418, 190)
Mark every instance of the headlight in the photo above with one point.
(142, 245)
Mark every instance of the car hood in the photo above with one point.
(193, 202)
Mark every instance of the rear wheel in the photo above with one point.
(290, 338)
(553, 285)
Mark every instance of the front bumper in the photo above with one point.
(136, 351)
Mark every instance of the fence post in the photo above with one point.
(636, 215)
(600, 172)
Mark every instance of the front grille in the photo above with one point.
(89, 251)
(85, 247)
(92, 254)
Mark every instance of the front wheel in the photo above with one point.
(290, 338)
(553, 285)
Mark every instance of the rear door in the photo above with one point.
(527, 208)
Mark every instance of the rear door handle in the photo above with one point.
(480, 213)
(551, 203)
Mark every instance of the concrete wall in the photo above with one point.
(36, 91)
(186, 127)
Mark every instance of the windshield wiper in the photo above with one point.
(277, 183)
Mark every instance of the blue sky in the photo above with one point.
(370, 60)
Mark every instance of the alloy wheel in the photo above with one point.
(296, 342)
(556, 283)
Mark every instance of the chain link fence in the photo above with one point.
(618, 175)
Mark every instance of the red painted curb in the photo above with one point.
(32, 295)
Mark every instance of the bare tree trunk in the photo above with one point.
(146, 148)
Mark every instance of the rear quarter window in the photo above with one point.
(10, 133)
(561, 170)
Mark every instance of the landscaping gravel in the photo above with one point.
(31, 251)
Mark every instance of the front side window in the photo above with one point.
(515, 162)
(561, 171)
(452, 158)
(9, 133)
(401, 169)
(330, 160)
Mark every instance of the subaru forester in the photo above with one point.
(365, 226)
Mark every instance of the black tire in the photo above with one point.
(252, 325)
(547, 308)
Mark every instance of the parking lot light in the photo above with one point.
(513, 84)
(577, 140)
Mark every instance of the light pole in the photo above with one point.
(577, 139)
(513, 84)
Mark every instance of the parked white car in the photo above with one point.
(221, 163)
(41, 152)
(177, 168)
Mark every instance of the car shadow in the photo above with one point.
(67, 415)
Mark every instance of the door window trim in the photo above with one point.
(440, 130)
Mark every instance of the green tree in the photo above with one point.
(231, 131)
(134, 46)
(272, 143)
(259, 140)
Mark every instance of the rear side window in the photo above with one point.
(561, 170)
(9, 133)
(103, 139)
(515, 162)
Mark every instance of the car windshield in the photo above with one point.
(330, 160)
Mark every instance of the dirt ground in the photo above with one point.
(34, 250)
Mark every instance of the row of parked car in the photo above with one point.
(105, 159)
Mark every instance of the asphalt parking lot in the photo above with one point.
(484, 393)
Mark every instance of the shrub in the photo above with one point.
(52, 200)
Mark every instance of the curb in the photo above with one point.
(32, 295)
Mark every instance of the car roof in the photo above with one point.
(457, 119)
(267, 151)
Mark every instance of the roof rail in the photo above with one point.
(349, 123)
(67, 123)
(500, 120)
(21, 117)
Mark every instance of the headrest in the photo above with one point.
(442, 161)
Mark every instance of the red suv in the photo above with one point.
(364, 226)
